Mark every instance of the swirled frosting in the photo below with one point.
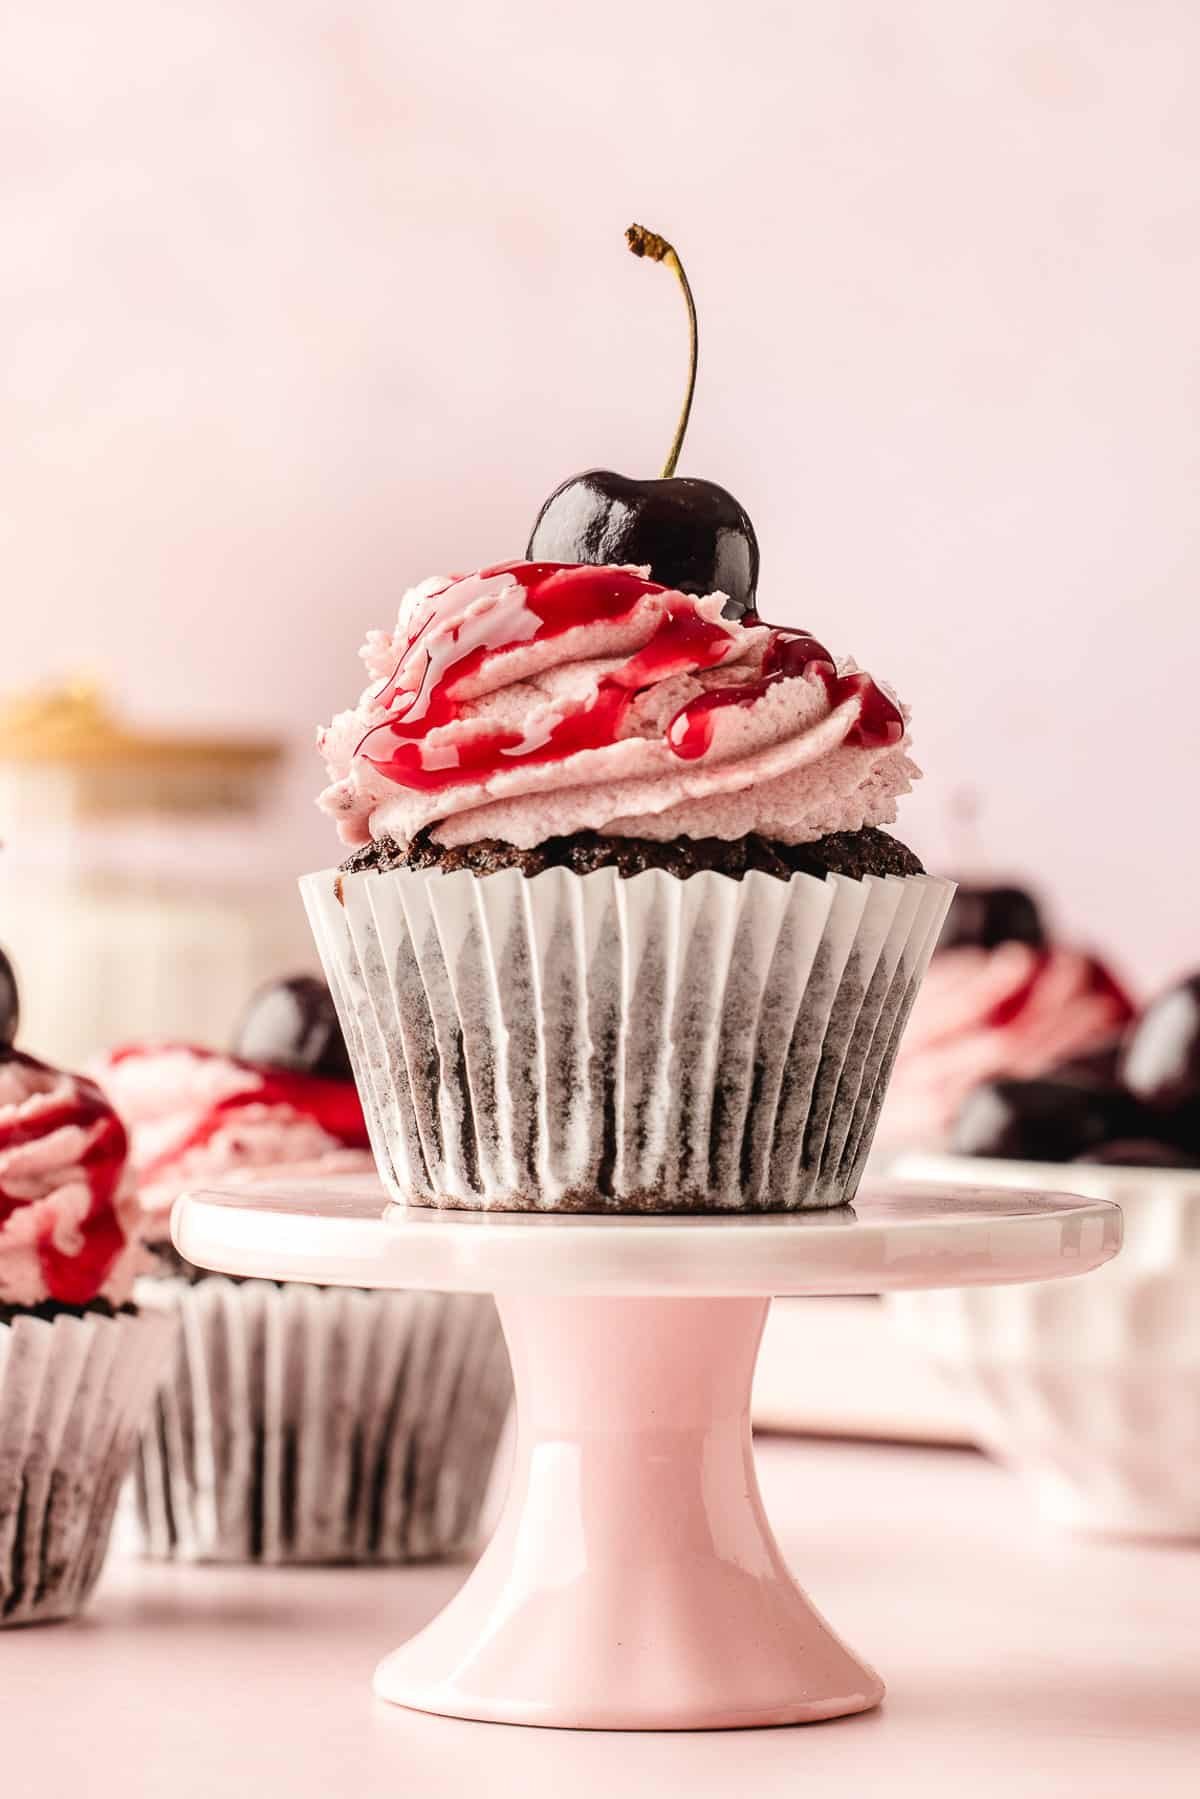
(69, 1219)
(532, 700)
(1014, 1010)
(194, 1114)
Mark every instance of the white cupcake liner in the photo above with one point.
(307, 1424)
(588, 1043)
(74, 1392)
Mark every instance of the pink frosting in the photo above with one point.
(536, 700)
(987, 1014)
(69, 1220)
(194, 1115)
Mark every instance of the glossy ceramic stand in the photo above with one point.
(633, 1581)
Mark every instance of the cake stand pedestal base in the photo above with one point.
(633, 1581)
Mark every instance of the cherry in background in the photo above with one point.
(1135, 1103)
(10, 1004)
(1161, 1063)
(293, 1024)
(984, 917)
(1042, 1121)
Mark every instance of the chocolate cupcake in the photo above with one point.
(621, 930)
(79, 1361)
(299, 1424)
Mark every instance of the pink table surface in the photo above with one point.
(1019, 1662)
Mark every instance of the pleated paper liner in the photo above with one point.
(306, 1424)
(586, 1043)
(74, 1393)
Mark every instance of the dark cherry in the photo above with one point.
(1042, 1121)
(982, 917)
(1094, 1068)
(693, 535)
(1161, 1063)
(293, 1024)
(10, 1003)
(1141, 1152)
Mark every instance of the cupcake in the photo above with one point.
(1134, 1104)
(620, 929)
(196, 1117)
(78, 1360)
(1001, 1000)
(301, 1424)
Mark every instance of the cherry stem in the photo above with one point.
(649, 243)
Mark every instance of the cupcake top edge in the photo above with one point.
(70, 1224)
(536, 700)
(588, 856)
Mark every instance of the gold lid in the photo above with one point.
(69, 757)
(74, 726)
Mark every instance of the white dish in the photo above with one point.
(1090, 1389)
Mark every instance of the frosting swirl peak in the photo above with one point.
(194, 1114)
(69, 1219)
(535, 699)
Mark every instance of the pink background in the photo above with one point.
(305, 299)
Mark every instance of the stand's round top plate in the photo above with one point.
(342, 1231)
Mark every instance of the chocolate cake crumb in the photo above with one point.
(854, 853)
(50, 1309)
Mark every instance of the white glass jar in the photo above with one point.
(139, 896)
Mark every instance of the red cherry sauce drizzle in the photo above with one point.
(1099, 984)
(788, 654)
(333, 1105)
(550, 598)
(75, 1277)
(546, 599)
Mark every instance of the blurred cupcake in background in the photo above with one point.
(1134, 1103)
(1001, 999)
(285, 1100)
(78, 1360)
(301, 1424)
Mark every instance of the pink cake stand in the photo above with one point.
(633, 1582)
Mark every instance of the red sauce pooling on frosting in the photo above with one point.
(333, 1105)
(76, 1276)
(1099, 984)
(879, 724)
(540, 600)
(549, 598)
